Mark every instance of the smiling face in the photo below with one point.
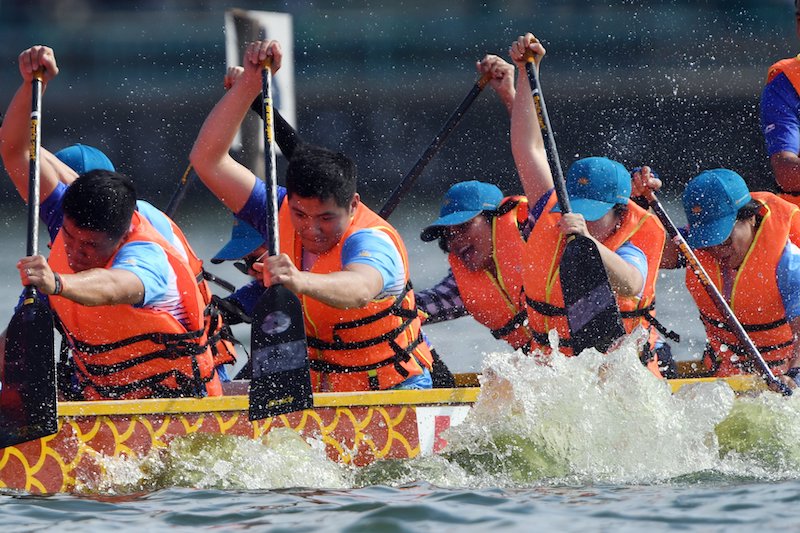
(731, 252)
(320, 223)
(87, 248)
(471, 242)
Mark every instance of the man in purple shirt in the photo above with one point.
(780, 121)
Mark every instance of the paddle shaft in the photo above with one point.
(437, 142)
(547, 132)
(180, 192)
(271, 181)
(591, 306)
(32, 247)
(719, 301)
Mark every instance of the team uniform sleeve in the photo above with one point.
(374, 248)
(780, 121)
(442, 301)
(51, 211)
(788, 278)
(149, 263)
(633, 255)
(254, 212)
(535, 211)
(247, 296)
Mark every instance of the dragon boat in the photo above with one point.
(356, 428)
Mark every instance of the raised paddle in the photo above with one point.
(437, 142)
(722, 306)
(592, 312)
(28, 397)
(281, 376)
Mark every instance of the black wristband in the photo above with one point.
(59, 286)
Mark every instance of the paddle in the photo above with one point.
(281, 377)
(592, 312)
(437, 142)
(28, 397)
(180, 192)
(720, 303)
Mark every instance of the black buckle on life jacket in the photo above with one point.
(518, 320)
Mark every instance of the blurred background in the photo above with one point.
(674, 84)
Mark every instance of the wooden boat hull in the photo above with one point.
(356, 428)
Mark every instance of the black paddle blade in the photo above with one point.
(281, 377)
(28, 398)
(592, 312)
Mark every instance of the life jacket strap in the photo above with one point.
(544, 308)
(721, 324)
(518, 320)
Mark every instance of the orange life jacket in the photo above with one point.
(369, 348)
(219, 334)
(543, 287)
(125, 352)
(791, 68)
(755, 298)
(497, 301)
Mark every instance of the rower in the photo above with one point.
(629, 239)
(780, 121)
(348, 266)
(126, 298)
(748, 244)
(482, 233)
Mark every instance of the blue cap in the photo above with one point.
(82, 158)
(464, 201)
(711, 201)
(595, 185)
(244, 239)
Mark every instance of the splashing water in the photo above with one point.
(539, 420)
(605, 419)
(282, 459)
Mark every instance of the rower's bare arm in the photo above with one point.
(230, 181)
(786, 167)
(103, 286)
(645, 184)
(354, 287)
(626, 280)
(15, 133)
(95, 286)
(527, 144)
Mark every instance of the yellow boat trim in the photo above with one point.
(749, 383)
(239, 403)
(745, 383)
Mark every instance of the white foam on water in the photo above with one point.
(606, 419)
(282, 459)
(539, 420)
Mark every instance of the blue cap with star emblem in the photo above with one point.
(711, 201)
(464, 201)
(595, 185)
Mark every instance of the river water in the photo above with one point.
(590, 443)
